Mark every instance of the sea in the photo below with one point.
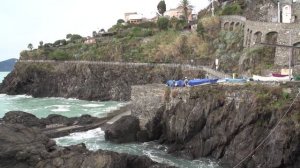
(93, 139)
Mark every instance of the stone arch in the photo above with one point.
(271, 38)
(237, 24)
(296, 54)
(226, 26)
(257, 37)
(231, 26)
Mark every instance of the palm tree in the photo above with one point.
(186, 5)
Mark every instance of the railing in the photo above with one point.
(171, 65)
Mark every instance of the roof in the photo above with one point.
(135, 17)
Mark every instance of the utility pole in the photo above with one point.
(212, 8)
(278, 10)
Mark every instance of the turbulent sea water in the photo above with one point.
(94, 139)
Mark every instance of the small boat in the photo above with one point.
(236, 80)
(196, 82)
(278, 75)
(270, 78)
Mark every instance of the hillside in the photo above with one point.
(7, 65)
(172, 40)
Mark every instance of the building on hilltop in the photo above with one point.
(179, 14)
(90, 40)
(133, 17)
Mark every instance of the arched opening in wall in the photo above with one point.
(296, 54)
(257, 37)
(226, 26)
(231, 26)
(271, 38)
(237, 24)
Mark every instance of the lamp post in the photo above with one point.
(212, 8)
(290, 56)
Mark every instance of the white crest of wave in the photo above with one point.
(61, 108)
(15, 96)
(83, 136)
(92, 105)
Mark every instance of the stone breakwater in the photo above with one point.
(88, 81)
(220, 121)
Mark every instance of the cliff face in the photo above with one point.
(224, 122)
(89, 81)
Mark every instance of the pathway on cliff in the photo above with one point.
(211, 72)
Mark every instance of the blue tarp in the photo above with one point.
(173, 83)
(195, 82)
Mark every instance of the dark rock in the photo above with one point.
(142, 136)
(85, 81)
(223, 122)
(123, 130)
(19, 117)
(24, 147)
(57, 119)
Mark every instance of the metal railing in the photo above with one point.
(208, 70)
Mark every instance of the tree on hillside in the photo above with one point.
(95, 34)
(163, 23)
(30, 46)
(185, 4)
(161, 7)
(68, 37)
(41, 44)
(120, 21)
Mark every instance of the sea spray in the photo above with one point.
(94, 140)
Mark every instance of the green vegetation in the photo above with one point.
(232, 9)
(163, 23)
(257, 59)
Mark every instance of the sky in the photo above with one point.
(31, 21)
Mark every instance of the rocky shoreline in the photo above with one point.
(23, 144)
(225, 122)
(219, 121)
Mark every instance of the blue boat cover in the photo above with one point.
(170, 83)
(195, 82)
(179, 83)
(236, 80)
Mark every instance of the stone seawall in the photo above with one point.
(89, 81)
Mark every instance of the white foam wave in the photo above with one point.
(19, 97)
(61, 108)
(83, 136)
(92, 105)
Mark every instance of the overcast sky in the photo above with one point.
(31, 21)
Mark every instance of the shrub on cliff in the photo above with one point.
(59, 55)
(162, 23)
(232, 9)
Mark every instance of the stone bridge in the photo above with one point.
(267, 32)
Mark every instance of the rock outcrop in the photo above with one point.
(123, 130)
(88, 81)
(24, 147)
(224, 122)
(30, 120)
